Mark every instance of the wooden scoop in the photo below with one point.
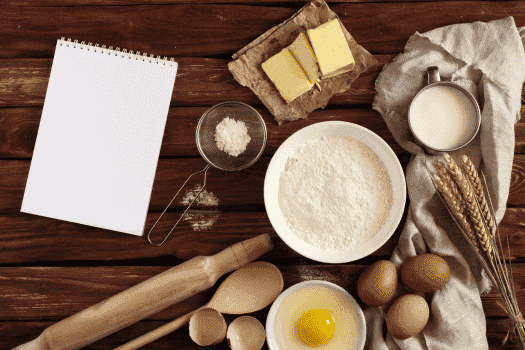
(249, 289)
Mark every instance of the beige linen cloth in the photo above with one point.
(487, 58)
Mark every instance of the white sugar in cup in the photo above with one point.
(443, 116)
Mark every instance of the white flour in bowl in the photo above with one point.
(335, 193)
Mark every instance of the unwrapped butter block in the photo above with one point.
(331, 48)
(287, 75)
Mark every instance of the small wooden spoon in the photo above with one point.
(249, 289)
(207, 327)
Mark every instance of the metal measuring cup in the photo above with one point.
(434, 80)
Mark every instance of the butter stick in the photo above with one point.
(287, 75)
(330, 47)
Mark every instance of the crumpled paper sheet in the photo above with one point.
(489, 59)
(246, 67)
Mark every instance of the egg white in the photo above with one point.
(316, 297)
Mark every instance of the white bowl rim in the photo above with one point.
(278, 301)
(385, 154)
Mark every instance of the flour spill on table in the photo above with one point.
(201, 219)
(335, 193)
(205, 198)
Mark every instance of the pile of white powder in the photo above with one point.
(335, 193)
(232, 136)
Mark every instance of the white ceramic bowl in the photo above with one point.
(290, 147)
(350, 326)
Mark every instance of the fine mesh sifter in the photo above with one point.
(207, 146)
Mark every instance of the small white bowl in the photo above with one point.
(350, 326)
(289, 148)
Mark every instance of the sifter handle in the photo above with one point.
(189, 206)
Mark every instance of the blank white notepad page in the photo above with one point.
(99, 138)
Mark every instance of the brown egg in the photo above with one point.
(425, 273)
(377, 284)
(407, 316)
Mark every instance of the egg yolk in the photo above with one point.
(315, 327)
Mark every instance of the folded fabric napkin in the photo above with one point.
(489, 60)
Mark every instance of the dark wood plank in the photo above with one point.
(15, 333)
(199, 82)
(34, 239)
(213, 29)
(19, 127)
(233, 190)
(38, 240)
(53, 293)
(241, 190)
(37, 3)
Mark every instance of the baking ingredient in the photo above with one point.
(251, 288)
(232, 136)
(315, 327)
(425, 273)
(330, 46)
(377, 284)
(316, 297)
(207, 327)
(287, 75)
(443, 117)
(201, 220)
(335, 193)
(246, 333)
(407, 316)
(205, 198)
(304, 55)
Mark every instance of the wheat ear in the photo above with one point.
(458, 205)
(447, 179)
(457, 209)
(472, 205)
(480, 195)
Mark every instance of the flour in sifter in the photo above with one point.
(335, 193)
(232, 136)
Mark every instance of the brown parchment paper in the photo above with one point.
(246, 67)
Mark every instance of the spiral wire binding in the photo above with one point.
(117, 52)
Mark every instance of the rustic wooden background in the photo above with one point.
(51, 269)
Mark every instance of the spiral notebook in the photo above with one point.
(99, 137)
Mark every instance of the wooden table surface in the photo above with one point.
(51, 269)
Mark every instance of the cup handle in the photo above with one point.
(433, 74)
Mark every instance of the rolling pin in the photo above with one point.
(147, 298)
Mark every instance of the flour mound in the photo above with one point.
(232, 136)
(335, 193)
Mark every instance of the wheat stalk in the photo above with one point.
(470, 201)
(478, 191)
(464, 198)
(457, 208)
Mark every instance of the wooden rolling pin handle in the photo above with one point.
(147, 298)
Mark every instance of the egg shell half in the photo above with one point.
(377, 284)
(425, 273)
(407, 316)
(246, 333)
